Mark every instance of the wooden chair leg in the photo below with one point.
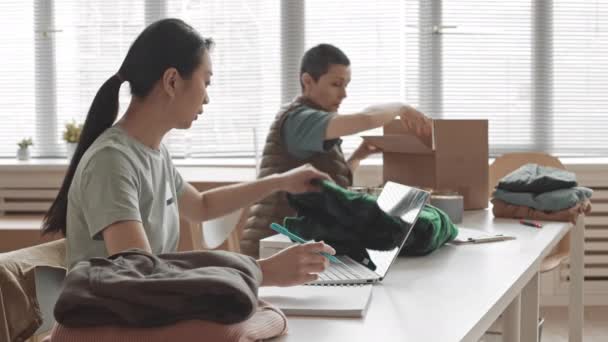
(558, 255)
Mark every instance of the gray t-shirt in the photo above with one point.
(120, 179)
(303, 132)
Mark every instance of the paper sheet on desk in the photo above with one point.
(466, 236)
(310, 300)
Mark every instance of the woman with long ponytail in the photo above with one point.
(101, 116)
(121, 189)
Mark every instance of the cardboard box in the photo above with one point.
(274, 244)
(457, 161)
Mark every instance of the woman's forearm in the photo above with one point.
(226, 199)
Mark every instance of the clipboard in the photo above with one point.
(472, 236)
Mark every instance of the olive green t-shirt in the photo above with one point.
(121, 179)
(304, 132)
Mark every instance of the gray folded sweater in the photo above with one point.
(550, 201)
(542, 188)
(135, 288)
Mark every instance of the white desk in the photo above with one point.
(457, 292)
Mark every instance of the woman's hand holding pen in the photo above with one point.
(295, 265)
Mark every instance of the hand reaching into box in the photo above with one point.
(415, 122)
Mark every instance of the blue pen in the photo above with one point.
(282, 230)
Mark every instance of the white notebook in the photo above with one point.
(307, 300)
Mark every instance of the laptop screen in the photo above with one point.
(406, 203)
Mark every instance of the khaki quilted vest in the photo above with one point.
(276, 159)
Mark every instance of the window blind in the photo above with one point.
(580, 79)
(380, 38)
(245, 91)
(536, 70)
(92, 41)
(487, 70)
(17, 83)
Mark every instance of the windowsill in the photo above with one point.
(234, 170)
(192, 170)
(59, 164)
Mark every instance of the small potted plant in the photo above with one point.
(23, 153)
(71, 135)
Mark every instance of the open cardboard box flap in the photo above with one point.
(396, 138)
(399, 143)
(457, 161)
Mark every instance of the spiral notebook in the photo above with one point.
(327, 301)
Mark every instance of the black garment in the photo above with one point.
(537, 179)
(135, 288)
(352, 222)
(349, 221)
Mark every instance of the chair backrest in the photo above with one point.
(48, 286)
(509, 162)
(27, 286)
(216, 231)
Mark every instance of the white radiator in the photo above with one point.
(596, 244)
(554, 286)
(29, 192)
(26, 200)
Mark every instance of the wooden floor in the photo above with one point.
(555, 328)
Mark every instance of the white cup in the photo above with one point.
(452, 205)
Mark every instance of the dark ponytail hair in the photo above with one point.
(168, 43)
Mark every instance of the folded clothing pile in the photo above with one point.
(135, 296)
(138, 289)
(542, 193)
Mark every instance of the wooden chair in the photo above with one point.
(224, 232)
(509, 162)
(31, 281)
(221, 233)
(192, 236)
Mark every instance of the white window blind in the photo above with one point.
(580, 98)
(56, 55)
(536, 69)
(92, 41)
(486, 68)
(54, 73)
(17, 83)
(379, 37)
(245, 91)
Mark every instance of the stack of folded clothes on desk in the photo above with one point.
(135, 296)
(352, 222)
(541, 193)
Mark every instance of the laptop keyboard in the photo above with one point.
(347, 270)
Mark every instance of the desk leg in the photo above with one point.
(530, 297)
(577, 265)
(512, 319)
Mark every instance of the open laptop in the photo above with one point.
(396, 200)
